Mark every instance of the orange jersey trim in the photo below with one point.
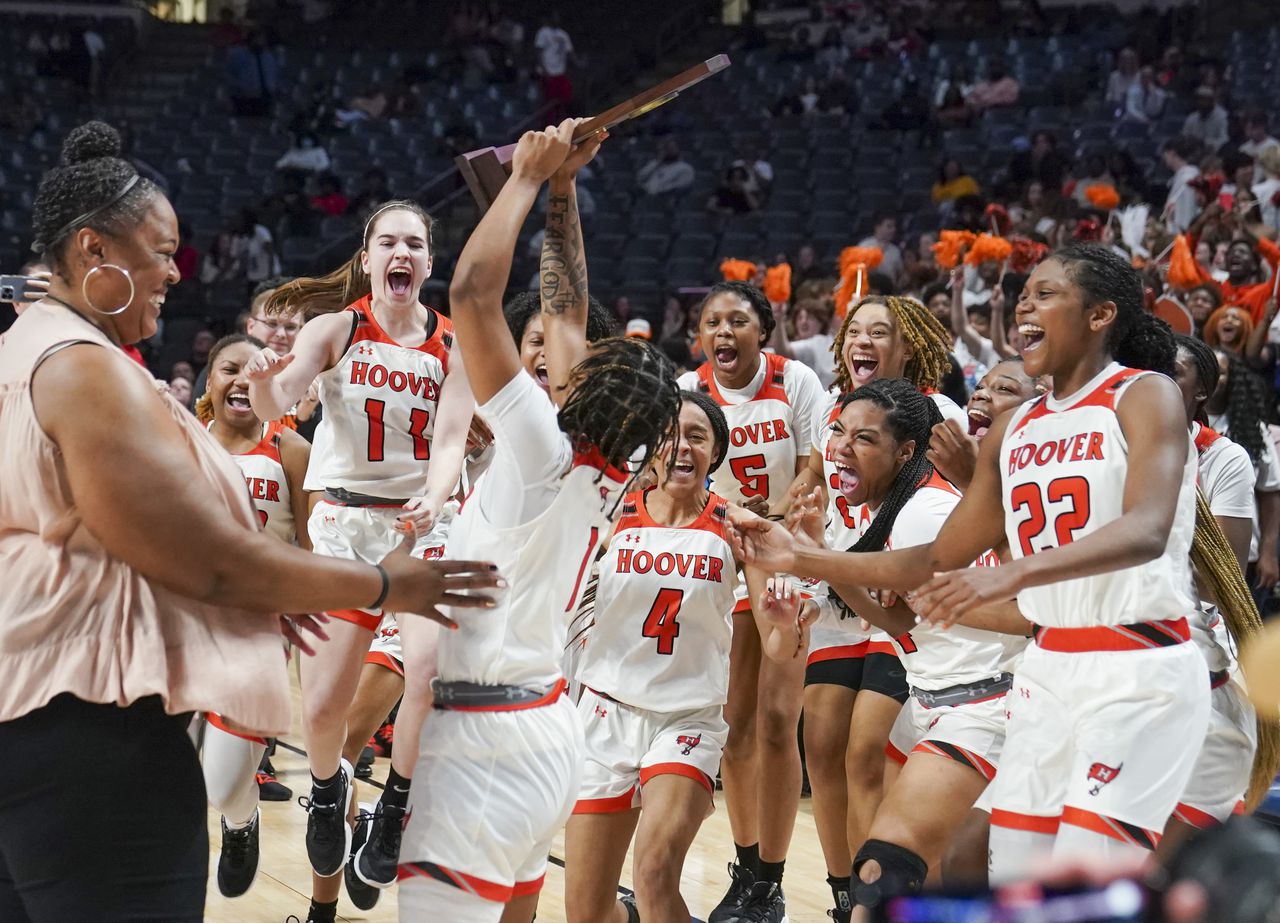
(218, 722)
(382, 659)
(368, 330)
(1032, 823)
(612, 805)
(841, 652)
(1110, 826)
(771, 389)
(1136, 637)
(957, 754)
(357, 617)
(713, 518)
(895, 754)
(1197, 818)
(487, 890)
(648, 773)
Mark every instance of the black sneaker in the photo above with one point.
(238, 863)
(271, 789)
(765, 905)
(328, 833)
(730, 908)
(633, 912)
(364, 765)
(378, 859)
(361, 894)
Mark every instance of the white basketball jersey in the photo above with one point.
(663, 612)
(546, 562)
(379, 410)
(268, 487)
(1064, 465)
(934, 657)
(764, 441)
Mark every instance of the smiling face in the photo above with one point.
(686, 474)
(1232, 326)
(229, 388)
(1241, 261)
(867, 456)
(533, 352)
(1004, 387)
(1201, 304)
(1055, 325)
(873, 345)
(397, 257)
(731, 336)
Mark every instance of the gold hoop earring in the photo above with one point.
(84, 289)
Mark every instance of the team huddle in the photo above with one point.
(1010, 627)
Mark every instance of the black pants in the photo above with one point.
(102, 816)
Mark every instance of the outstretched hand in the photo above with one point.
(946, 598)
(266, 364)
(762, 544)
(293, 626)
(806, 519)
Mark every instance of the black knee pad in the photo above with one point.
(901, 872)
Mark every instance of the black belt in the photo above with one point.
(965, 693)
(350, 498)
(461, 696)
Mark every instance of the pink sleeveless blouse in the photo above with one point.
(73, 618)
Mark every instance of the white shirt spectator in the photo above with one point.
(94, 44)
(1254, 149)
(1143, 103)
(815, 352)
(1119, 85)
(311, 159)
(1210, 130)
(1265, 191)
(659, 177)
(255, 254)
(554, 47)
(1180, 208)
(892, 264)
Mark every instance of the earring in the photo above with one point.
(128, 300)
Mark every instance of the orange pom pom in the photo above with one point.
(855, 262)
(738, 270)
(1183, 272)
(1102, 196)
(988, 248)
(947, 250)
(1026, 254)
(777, 283)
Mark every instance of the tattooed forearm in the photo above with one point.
(563, 267)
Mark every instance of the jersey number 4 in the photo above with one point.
(374, 409)
(1072, 492)
(661, 621)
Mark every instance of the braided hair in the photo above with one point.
(909, 415)
(719, 425)
(1247, 398)
(928, 338)
(522, 307)
(752, 296)
(624, 398)
(1206, 364)
(91, 187)
(1218, 573)
(348, 283)
(204, 403)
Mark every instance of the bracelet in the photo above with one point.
(386, 588)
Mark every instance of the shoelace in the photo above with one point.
(390, 832)
(757, 907)
(237, 842)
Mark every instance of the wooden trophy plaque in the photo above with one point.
(486, 169)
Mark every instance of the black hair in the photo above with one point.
(1137, 338)
(752, 296)
(1206, 363)
(203, 407)
(522, 307)
(883, 215)
(909, 415)
(269, 284)
(953, 383)
(624, 398)
(1184, 147)
(719, 425)
(881, 283)
(1248, 399)
(932, 291)
(942, 167)
(92, 187)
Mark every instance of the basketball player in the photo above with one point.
(1099, 565)
(388, 453)
(854, 682)
(770, 403)
(655, 677)
(499, 772)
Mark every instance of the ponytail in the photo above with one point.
(328, 294)
(1218, 572)
(1149, 344)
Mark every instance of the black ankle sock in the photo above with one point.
(322, 913)
(840, 892)
(327, 789)
(749, 857)
(396, 794)
(771, 871)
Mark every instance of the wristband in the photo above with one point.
(386, 588)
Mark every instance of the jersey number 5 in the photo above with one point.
(750, 472)
(418, 420)
(661, 621)
(1066, 524)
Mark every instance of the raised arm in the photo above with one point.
(960, 325)
(484, 266)
(448, 443)
(276, 383)
(563, 269)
